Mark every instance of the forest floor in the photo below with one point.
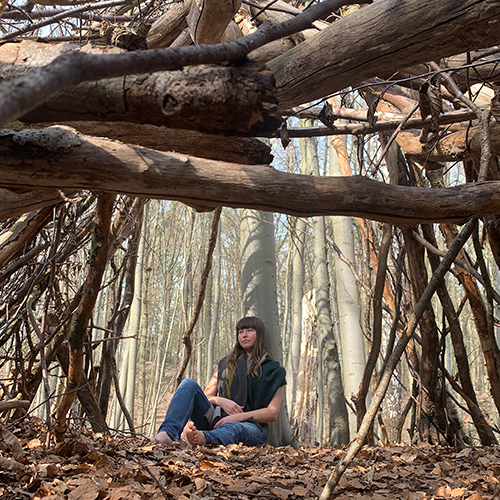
(87, 466)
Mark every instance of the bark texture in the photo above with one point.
(418, 32)
(248, 150)
(104, 165)
(238, 99)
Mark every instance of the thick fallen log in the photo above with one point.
(382, 38)
(248, 150)
(104, 165)
(27, 92)
(223, 99)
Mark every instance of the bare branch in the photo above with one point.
(27, 92)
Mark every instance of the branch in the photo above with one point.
(379, 126)
(379, 394)
(27, 92)
(109, 166)
(62, 15)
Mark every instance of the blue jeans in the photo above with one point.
(190, 403)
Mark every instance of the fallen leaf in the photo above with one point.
(281, 493)
(209, 465)
(300, 491)
(475, 496)
(90, 490)
(416, 495)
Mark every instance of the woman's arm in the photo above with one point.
(211, 388)
(229, 406)
(263, 415)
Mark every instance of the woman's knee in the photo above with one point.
(188, 383)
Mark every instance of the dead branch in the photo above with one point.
(186, 338)
(25, 93)
(104, 165)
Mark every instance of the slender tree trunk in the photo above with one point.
(298, 272)
(351, 333)
(304, 413)
(332, 374)
(128, 369)
(119, 318)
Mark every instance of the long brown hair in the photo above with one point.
(258, 350)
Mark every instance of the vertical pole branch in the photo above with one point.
(422, 304)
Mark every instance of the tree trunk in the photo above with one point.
(114, 167)
(258, 286)
(233, 99)
(349, 313)
(419, 31)
(304, 413)
(294, 348)
(246, 150)
(331, 371)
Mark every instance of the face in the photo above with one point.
(247, 338)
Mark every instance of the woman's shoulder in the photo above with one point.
(273, 368)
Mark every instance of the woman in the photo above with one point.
(242, 397)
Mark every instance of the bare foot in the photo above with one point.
(194, 436)
(163, 437)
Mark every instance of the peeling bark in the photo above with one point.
(248, 150)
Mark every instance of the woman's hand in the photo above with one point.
(237, 417)
(229, 406)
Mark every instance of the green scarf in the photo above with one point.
(251, 392)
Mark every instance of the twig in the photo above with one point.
(393, 138)
(186, 338)
(146, 468)
(380, 126)
(263, 9)
(62, 15)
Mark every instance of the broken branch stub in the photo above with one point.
(208, 19)
(233, 99)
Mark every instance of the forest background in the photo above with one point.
(120, 296)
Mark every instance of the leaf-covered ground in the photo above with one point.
(95, 467)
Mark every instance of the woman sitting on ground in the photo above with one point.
(242, 397)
